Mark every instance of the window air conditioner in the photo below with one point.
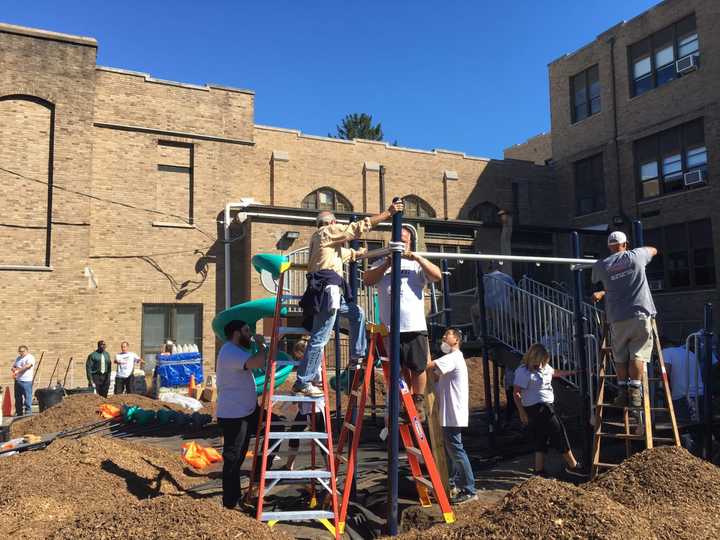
(656, 284)
(687, 63)
(694, 178)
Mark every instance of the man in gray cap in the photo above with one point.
(629, 310)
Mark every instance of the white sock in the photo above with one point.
(635, 383)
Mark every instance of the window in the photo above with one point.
(326, 199)
(181, 323)
(174, 187)
(462, 273)
(686, 258)
(589, 185)
(585, 93)
(486, 212)
(663, 159)
(652, 60)
(416, 207)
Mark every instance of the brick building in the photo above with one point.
(635, 135)
(114, 186)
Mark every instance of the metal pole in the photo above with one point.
(583, 359)
(490, 416)
(447, 313)
(353, 271)
(394, 390)
(707, 381)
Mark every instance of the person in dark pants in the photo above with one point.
(238, 413)
(23, 370)
(125, 361)
(534, 397)
(97, 369)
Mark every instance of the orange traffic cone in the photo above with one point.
(191, 386)
(7, 402)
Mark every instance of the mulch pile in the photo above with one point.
(664, 493)
(80, 410)
(104, 488)
(167, 517)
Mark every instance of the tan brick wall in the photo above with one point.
(537, 149)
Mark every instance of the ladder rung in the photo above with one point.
(664, 439)
(287, 423)
(631, 436)
(427, 483)
(349, 426)
(285, 330)
(295, 399)
(618, 424)
(302, 515)
(611, 406)
(297, 475)
(414, 451)
(287, 435)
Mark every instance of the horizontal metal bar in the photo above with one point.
(497, 257)
(375, 253)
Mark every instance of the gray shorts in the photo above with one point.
(632, 339)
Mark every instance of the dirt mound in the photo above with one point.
(39, 491)
(79, 410)
(542, 508)
(167, 517)
(679, 493)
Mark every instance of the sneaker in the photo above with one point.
(464, 497)
(635, 396)
(622, 398)
(419, 402)
(309, 390)
(577, 470)
(454, 492)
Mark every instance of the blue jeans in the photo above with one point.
(323, 324)
(461, 473)
(23, 397)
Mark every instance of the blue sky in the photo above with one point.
(468, 76)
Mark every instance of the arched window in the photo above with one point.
(327, 199)
(486, 212)
(416, 207)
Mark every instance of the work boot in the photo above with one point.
(635, 396)
(622, 398)
(419, 401)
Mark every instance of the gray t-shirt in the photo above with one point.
(627, 291)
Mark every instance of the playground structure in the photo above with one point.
(529, 312)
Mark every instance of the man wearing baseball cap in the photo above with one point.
(629, 309)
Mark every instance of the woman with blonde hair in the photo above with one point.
(533, 395)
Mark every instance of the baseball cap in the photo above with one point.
(617, 237)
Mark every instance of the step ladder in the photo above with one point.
(412, 434)
(267, 440)
(636, 423)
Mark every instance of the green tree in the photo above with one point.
(358, 126)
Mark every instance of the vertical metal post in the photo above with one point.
(490, 416)
(707, 382)
(353, 282)
(638, 236)
(447, 309)
(394, 390)
(583, 359)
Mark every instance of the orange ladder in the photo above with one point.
(271, 440)
(412, 434)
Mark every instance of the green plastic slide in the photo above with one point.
(273, 263)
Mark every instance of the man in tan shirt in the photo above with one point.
(327, 293)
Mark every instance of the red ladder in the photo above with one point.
(414, 440)
(271, 440)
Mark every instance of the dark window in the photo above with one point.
(180, 323)
(589, 185)
(175, 183)
(462, 273)
(662, 160)
(326, 199)
(416, 207)
(585, 93)
(652, 60)
(486, 212)
(685, 259)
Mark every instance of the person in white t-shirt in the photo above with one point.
(534, 398)
(23, 369)
(416, 272)
(237, 410)
(125, 362)
(453, 398)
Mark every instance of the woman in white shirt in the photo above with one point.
(534, 397)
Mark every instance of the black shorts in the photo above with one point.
(414, 351)
(546, 429)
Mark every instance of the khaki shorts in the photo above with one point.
(631, 339)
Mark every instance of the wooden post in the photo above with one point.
(435, 431)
